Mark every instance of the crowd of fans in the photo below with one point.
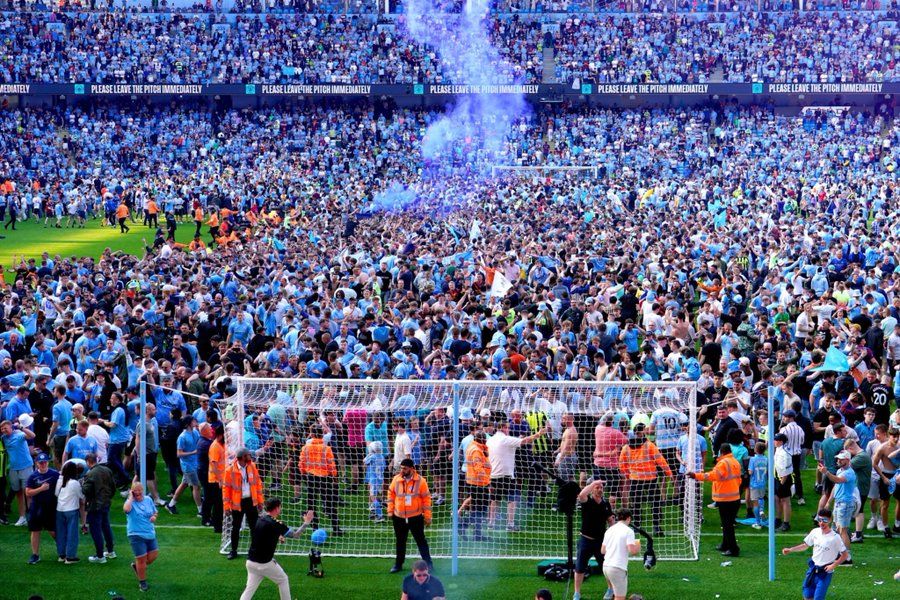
(732, 247)
(396, 6)
(121, 48)
(791, 47)
(198, 48)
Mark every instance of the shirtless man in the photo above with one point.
(567, 458)
(886, 471)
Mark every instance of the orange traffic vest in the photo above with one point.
(231, 491)
(152, 208)
(198, 214)
(409, 497)
(726, 478)
(122, 212)
(640, 464)
(217, 463)
(478, 467)
(213, 220)
(317, 459)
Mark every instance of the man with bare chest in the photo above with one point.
(567, 457)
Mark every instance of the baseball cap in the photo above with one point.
(780, 437)
(843, 455)
(43, 457)
(484, 412)
(789, 413)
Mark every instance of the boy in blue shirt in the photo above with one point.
(759, 478)
(375, 467)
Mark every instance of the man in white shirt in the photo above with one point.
(502, 454)
(829, 552)
(784, 472)
(618, 544)
(402, 444)
(99, 434)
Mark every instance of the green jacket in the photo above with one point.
(99, 487)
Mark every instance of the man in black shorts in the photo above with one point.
(596, 514)
(41, 491)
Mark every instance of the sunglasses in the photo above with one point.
(823, 520)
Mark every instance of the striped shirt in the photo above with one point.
(795, 438)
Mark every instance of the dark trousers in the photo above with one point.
(248, 510)
(170, 456)
(4, 497)
(402, 529)
(481, 499)
(212, 495)
(728, 513)
(645, 492)
(114, 462)
(796, 459)
(98, 523)
(122, 226)
(324, 490)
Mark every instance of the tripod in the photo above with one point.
(565, 502)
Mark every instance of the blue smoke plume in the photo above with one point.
(464, 48)
(395, 198)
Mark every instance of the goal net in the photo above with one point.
(544, 171)
(587, 428)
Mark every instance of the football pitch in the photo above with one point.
(30, 239)
(190, 566)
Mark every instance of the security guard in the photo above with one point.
(409, 507)
(726, 478)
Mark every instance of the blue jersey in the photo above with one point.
(375, 466)
(844, 492)
(700, 447)
(138, 521)
(119, 434)
(187, 442)
(79, 447)
(17, 450)
(62, 415)
(667, 424)
(759, 472)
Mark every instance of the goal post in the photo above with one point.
(275, 418)
(544, 170)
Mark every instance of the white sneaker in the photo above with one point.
(97, 560)
(21, 522)
(124, 494)
(879, 525)
(110, 554)
(871, 524)
(711, 505)
(160, 502)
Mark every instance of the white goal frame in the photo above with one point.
(590, 398)
(532, 169)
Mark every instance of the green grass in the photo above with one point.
(191, 567)
(31, 239)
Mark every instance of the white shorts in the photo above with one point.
(618, 579)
